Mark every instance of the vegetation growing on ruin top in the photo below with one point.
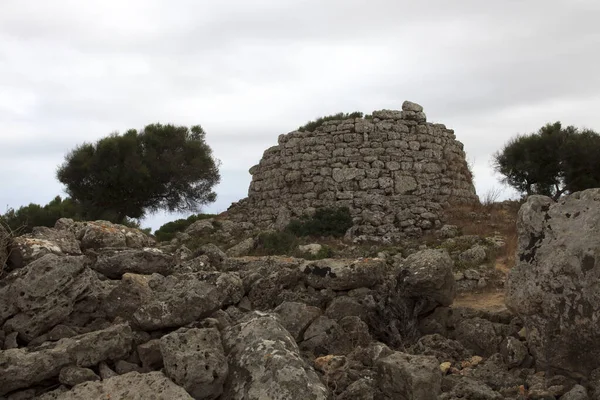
(310, 126)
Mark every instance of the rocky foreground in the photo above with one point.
(97, 311)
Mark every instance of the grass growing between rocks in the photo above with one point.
(310, 126)
(490, 219)
(332, 222)
(286, 243)
(326, 223)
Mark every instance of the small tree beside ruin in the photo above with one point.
(552, 161)
(165, 167)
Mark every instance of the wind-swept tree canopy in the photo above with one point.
(551, 162)
(161, 167)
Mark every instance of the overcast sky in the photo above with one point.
(74, 71)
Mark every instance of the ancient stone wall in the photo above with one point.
(394, 171)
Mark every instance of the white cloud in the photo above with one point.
(74, 71)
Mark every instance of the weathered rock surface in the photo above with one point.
(265, 364)
(128, 295)
(151, 355)
(296, 317)
(194, 359)
(215, 255)
(131, 386)
(10, 341)
(428, 275)
(339, 274)
(346, 306)
(124, 367)
(105, 371)
(147, 261)
(200, 227)
(578, 392)
(72, 375)
(444, 349)
(183, 298)
(242, 248)
(44, 294)
(326, 336)
(468, 388)
(21, 368)
(478, 335)
(554, 287)
(405, 376)
(473, 257)
(42, 241)
(270, 286)
(514, 351)
(494, 373)
(100, 234)
(332, 328)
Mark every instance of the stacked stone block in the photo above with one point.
(394, 171)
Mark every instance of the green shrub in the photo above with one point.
(168, 230)
(325, 222)
(27, 217)
(276, 243)
(324, 252)
(312, 125)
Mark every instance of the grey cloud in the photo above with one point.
(249, 71)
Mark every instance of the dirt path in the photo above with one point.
(491, 301)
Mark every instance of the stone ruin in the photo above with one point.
(94, 310)
(395, 171)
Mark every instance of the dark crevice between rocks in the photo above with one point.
(395, 321)
(320, 271)
(588, 263)
(534, 243)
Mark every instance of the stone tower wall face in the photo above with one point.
(395, 172)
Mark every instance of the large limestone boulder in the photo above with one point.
(270, 281)
(265, 364)
(468, 388)
(42, 241)
(200, 227)
(214, 253)
(409, 377)
(40, 296)
(442, 348)
(179, 299)
(130, 386)
(478, 335)
(21, 368)
(428, 275)
(554, 287)
(296, 317)
(194, 359)
(115, 263)
(242, 248)
(99, 234)
(128, 295)
(327, 336)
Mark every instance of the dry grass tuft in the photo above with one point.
(488, 219)
(510, 250)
